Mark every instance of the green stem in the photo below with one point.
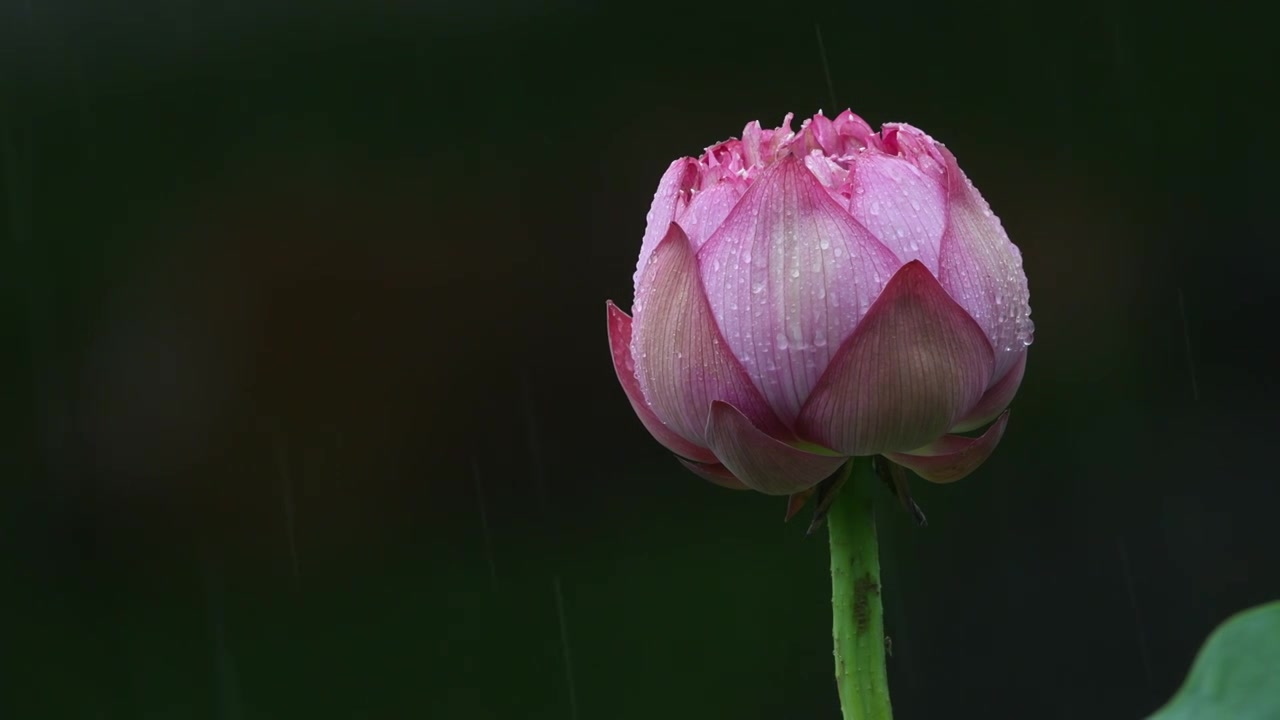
(858, 627)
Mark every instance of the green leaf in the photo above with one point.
(1236, 676)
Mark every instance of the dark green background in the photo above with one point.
(298, 301)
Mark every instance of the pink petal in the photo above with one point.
(832, 174)
(854, 133)
(904, 208)
(752, 140)
(707, 211)
(714, 473)
(789, 275)
(913, 367)
(620, 348)
(952, 457)
(762, 463)
(997, 397)
(916, 147)
(682, 363)
(670, 199)
(759, 146)
(823, 132)
(982, 269)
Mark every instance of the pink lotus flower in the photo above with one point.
(806, 297)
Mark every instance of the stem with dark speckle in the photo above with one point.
(858, 625)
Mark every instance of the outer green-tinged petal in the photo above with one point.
(761, 462)
(951, 457)
(620, 348)
(997, 397)
(682, 364)
(714, 472)
(915, 365)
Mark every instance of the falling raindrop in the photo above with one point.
(286, 494)
(1186, 337)
(564, 648)
(484, 524)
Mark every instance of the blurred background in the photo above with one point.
(308, 406)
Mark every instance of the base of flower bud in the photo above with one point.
(895, 476)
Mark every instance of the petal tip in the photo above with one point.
(917, 362)
(952, 457)
(619, 325)
(761, 461)
(714, 473)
